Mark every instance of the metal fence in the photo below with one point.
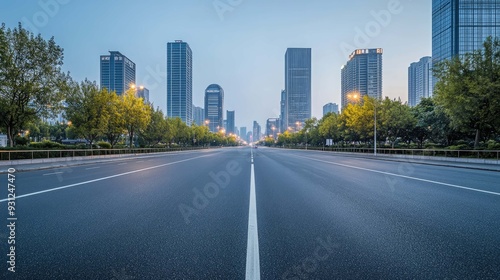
(50, 154)
(471, 154)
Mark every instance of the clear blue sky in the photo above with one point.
(241, 45)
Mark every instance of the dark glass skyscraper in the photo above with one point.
(214, 107)
(461, 26)
(297, 85)
(180, 81)
(117, 72)
(362, 75)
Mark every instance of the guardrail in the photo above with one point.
(471, 154)
(7, 155)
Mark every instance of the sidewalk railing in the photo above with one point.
(50, 154)
(469, 154)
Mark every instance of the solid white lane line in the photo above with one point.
(122, 163)
(253, 262)
(140, 161)
(90, 168)
(105, 178)
(403, 176)
(52, 173)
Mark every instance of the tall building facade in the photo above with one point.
(298, 85)
(142, 92)
(180, 81)
(256, 132)
(117, 72)
(230, 123)
(214, 107)
(461, 26)
(243, 133)
(283, 124)
(198, 116)
(272, 127)
(362, 75)
(330, 108)
(420, 83)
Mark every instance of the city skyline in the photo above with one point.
(252, 52)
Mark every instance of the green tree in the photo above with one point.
(469, 90)
(396, 119)
(88, 110)
(135, 114)
(115, 126)
(155, 131)
(32, 84)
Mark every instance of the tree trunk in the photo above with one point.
(476, 142)
(131, 137)
(11, 136)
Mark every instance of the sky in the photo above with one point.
(238, 44)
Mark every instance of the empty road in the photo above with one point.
(242, 213)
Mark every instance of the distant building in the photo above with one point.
(143, 93)
(256, 132)
(230, 127)
(250, 137)
(243, 133)
(198, 116)
(330, 108)
(117, 72)
(362, 75)
(420, 83)
(298, 85)
(272, 127)
(4, 140)
(283, 124)
(180, 81)
(214, 107)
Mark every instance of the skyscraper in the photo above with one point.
(272, 127)
(331, 108)
(461, 26)
(230, 122)
(214, 105)
(198, 115)
(362, 75)
(180, 81)
(420, 83)
(117, 72)
(256, 132)
(142, 92)
(243, 133)
(283, 123)
(298, 85)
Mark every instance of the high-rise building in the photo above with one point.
(298, 85)
(230, 122)
(272, 127)
(142, 92)
(330, 108)
(198, 116)
(180, 81)
(214, 105)
(283, 124)
(420, 83)
(362, 75)
(243, 133)
(117, 72)
(256, 132)
(461, 26)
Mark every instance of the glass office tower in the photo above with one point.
(180, 81)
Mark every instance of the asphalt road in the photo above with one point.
(315, 216)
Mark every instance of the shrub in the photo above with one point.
(21, 141)
(104, 145)
(46, 145)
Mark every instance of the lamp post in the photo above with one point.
(375, 128)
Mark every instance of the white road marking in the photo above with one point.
(403, 176)
(105, 178)
(122, 163)
(253, 262)
(52, 173)
(90, 168)
(140, 161)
